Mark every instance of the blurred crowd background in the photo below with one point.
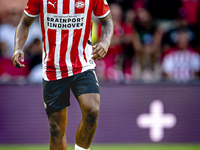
(153, 41)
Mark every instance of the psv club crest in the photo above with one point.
(80, 4)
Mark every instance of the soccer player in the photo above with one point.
(68, 62)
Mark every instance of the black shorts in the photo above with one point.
(56, 94)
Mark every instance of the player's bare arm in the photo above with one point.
(100, 49)
(20, 39)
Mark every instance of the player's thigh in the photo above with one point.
(86, 89)
(58, 121)
(89, 104)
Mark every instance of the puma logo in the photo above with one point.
(50, 3)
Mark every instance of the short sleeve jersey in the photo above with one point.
(66, 29)
(181, 65)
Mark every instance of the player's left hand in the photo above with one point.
(100, 50)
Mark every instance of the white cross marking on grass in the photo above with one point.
(156, 121)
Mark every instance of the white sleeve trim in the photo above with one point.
(32, 16)
(104, 15)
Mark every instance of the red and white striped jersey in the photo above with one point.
(66, 28)
(181, 65)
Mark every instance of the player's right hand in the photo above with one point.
(18, 54)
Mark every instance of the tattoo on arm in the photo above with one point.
(107, 28)
(100, 49)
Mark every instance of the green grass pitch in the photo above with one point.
(111, 147)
